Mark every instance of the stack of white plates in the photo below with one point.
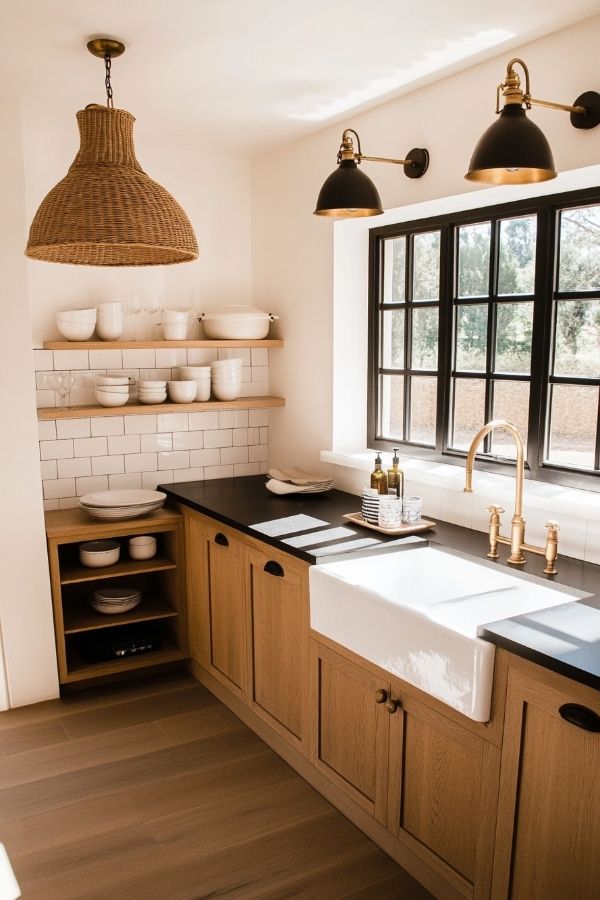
(115, 600)
(127, 504)
(294, 480)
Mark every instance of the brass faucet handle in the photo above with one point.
(495, 510)
(552, 525)
(551, 550)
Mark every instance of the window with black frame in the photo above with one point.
(491, 314)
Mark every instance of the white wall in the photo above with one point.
(25, 605)
(293, 250)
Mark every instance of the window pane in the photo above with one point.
(579, 265)
(471, 338)
(425, 338)
(392, 339)
(474, 260)
(394, 267)
(423, 398)
(516, 268)
(426, 266)
(574, 409)
(511, 402)
(391, 405)
(469, 411)
(514, 325)
(577, 348)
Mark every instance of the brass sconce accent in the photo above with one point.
(348, 192)
(514, 150)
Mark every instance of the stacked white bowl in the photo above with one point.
(226, 377)
(152, 391)
(175, 324)
(112, 390)
(199, 374)
(182, 391)
(76, 324)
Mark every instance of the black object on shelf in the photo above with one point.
(120, 643)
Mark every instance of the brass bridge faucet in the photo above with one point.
(517, 530)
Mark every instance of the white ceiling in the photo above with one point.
(252, 73)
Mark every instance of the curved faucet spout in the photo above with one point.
(503, 425)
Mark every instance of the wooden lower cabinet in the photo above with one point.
(430, 781)
(278, 623)
(548, 836)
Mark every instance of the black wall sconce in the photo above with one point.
(348, 192)
(514, 150)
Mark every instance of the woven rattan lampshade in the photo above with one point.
(107, 211)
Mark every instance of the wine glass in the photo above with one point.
(133, 309)
(63, 383)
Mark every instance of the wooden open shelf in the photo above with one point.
(77, 574)
(79, 617)
(81, 670)
(140, 409)
(267, 343)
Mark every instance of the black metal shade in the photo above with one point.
(348, 193)
(512, 151)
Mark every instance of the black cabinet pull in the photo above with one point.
(221, 539)
(580, 716)
(273, 568)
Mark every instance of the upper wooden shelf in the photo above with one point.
(138, 409)
(267, 343)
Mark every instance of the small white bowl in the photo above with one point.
(203, 390)
(113, 388)
(235, 363)
(145, 384)
(108, 398)
(77, 315)
(112, 380)
(182, 391)
(95, 554)
(175, 331)
(194, 373)
(150, 400)
(75, 331)
(142, 547)
(226, 392)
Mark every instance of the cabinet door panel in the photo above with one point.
(550, 796)
(352, 730)
(278, 601)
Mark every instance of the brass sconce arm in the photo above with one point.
(415, 166)
(585, 111)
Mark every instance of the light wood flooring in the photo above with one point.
(153, 789)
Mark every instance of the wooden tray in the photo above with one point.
(357, 518)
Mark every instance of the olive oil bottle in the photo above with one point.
(378, 477)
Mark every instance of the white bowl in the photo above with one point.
(154, 393)
(203, 390)
(146, 385)
(109, 320)
(140, 539)
(182, 391)
(236, 362)
(226, 392)
(227, 382)
(112, 380)
(143, 547)
(99, 553)
(175, 331)
(108, 398)
(75, 331)
(237, 322)
(195, 373)
(113, 388)
(175, 315)
(159, 399)
(77, 315)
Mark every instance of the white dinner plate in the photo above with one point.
(122, 498)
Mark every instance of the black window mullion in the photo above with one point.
(541, 340)
(446, 332)
(410, 259)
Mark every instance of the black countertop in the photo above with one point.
(565, 638)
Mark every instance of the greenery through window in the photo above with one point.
(491, 314)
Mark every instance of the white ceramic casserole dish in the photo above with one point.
(233, 323)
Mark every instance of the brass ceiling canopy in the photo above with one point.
(348, 193)
(107, 211)
(514, 150)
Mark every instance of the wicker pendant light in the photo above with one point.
(107, 211)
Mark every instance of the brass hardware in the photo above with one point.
(392, 706)
(516, 542)
(102, 47)
(419, 160)
(512, 93)
(380, 696)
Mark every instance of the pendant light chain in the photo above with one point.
(109, 90)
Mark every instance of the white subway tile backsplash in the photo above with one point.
(123, 443)
(176, 459)
(192, 474)
(253, 436)
(219, 438)
(106, 359)
(96, 446)
(255, 389)
(234, 455)
(263, 467)
(43, 379)
(260, 373)
(171, 356)
(246, 375)
(150, 480)
(48, 469)
(59, 487)
(259, 356)
(141, 462)
(227, 418)
(108, 465)
(43, 360)
(68, 502)
(258, 417)
(47, 430)
(242, 353)
(264, 435)
(72, 428)
(152, 443)
(139, 359)
(202, 421)
(240, 418)
(172, 422)
(205, 457)
(131, 481)
(258, 453)
(51, 504)
(197, 356)
(246, 469)
(106, 425)
(188, 440)
(218, 472)
(240, 437)
(140, 424)
(92, 484)
(74, 468)
(67, 360)
(56, 449)
(45, 398)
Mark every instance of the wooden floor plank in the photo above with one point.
(158, 792)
